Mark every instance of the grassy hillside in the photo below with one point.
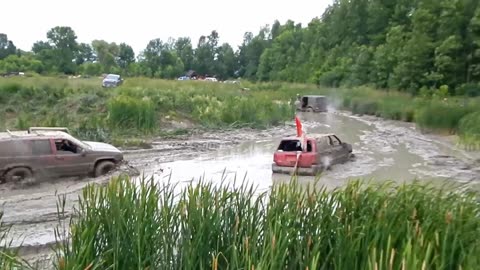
(139, 108)
(144, 108)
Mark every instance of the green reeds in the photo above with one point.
(469, 130)
(129, 113)
(144, 225)
(441, 115)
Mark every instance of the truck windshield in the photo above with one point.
(112, 77)
(78, 142)
(290, 146)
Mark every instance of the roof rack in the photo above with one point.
(35, 129)
(11, 134)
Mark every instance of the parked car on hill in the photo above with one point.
(112, 80)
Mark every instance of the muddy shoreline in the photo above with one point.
(379, 145)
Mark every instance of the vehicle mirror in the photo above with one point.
(83, 152)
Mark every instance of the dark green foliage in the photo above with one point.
(396, 44)
(6, 46)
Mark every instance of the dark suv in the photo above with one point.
(52, 152)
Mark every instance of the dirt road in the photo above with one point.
(384, 150)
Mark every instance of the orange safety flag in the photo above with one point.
(301, 133)
(299, 126)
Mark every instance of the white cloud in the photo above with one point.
(137, 22)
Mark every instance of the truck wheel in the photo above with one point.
(19, 175)
(104, 167)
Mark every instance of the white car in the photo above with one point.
(211, 79)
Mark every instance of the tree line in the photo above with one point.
(391, 44)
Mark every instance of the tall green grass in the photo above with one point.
(144, 225)
(429, 113)
(469, 130)
(127, 112)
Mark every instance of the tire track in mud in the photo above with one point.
(438, 159)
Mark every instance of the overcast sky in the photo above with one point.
(137, 22)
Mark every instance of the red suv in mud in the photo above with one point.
(321, 151)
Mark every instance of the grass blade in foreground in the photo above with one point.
(145, 226)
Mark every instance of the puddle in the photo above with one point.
(385, 150)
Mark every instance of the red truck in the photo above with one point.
(318, 152)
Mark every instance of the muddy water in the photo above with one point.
(383, 149)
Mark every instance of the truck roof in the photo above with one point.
(25, 135)
(310, 136)
(35, 132)
(314, 96)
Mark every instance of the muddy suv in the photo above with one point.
(52, 152)
(321, 152)
(311, 103)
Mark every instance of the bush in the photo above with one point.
(469, 129)
(440, 115)
(126, 113)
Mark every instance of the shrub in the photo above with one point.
(469, 129)
(126, 112)
(440, 115)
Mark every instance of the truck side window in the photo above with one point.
(65, 147)
(334, 141)
(290, 146)
(41, 147)
(309, 146)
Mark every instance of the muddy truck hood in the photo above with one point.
(98, 146)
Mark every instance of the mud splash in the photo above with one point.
(383, 149)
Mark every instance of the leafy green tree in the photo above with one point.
(126, 56)
(225, 61)
(64, 45)
(23, 63)
(473, 50)
(250, 52)
(45, 53)
(84, 54)
(6, 46)
(184, 50)
(205, 54)
(107, 54)
(160, 60)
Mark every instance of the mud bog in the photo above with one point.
(383, 150)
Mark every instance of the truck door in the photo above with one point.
(69, 158)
